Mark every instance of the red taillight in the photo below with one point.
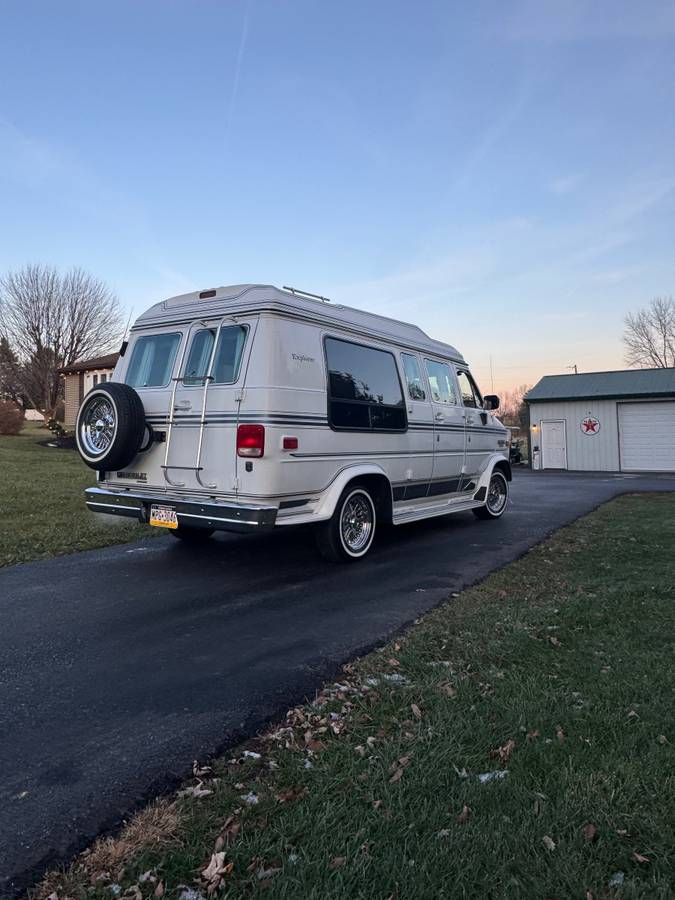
(251, 440)
(290, 443)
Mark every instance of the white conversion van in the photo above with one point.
(250, 407)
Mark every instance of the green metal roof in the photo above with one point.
(605, 385)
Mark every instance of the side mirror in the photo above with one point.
(491, 401)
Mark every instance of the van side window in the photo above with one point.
(364, 389)
(227, 359)
(470, 394)
(442, 383)
(413, 377)
(152, 360)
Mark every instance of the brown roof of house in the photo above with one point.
(88, 365)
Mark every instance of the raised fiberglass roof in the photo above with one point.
(247, 298)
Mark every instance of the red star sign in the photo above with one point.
(590, 426)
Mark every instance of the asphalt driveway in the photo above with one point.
(118, 667)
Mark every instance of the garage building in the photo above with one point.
(604, 421)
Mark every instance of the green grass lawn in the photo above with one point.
(42, 511)
(555, 676)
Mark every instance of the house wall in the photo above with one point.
(72, 398)
(77, 384)
(590, 453)
(101, 375)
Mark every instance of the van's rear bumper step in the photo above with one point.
(221, 516)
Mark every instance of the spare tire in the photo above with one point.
(110, 426)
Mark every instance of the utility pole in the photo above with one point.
(492, 380)
(573, 367)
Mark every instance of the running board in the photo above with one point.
(400, 517)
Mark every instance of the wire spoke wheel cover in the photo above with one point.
(98, 425)
(357, 522)
(110, 426)
(498, 493)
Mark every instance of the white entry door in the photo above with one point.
(647, 436)
(554, 444)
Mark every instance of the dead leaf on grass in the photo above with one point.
(560, 734)
(447, 689)
(639, 858)
(197, 791)
(394, 662)
(590, 832)
(416, 711)
(504, 752)
(532, 735)
(548, 842)
(465, 815)
(337, 861)
(398, 774)
(291, 794)
(159, 890)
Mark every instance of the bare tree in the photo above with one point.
(650, 335)
(10, 374)
(513, 411)
(52, 320)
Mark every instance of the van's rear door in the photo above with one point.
(201, 441)
(196, 413)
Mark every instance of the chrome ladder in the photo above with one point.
(208, 378)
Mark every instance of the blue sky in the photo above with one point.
(501, 173)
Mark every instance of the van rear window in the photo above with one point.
(152, 360)
(227, 359)
(364, 389)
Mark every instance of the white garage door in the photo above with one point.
(647, 436)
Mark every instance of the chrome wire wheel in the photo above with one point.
(498, 494)
(357, 523)
(98, 424)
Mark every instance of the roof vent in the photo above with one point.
(206, 295)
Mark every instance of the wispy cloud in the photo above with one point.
(243, 39)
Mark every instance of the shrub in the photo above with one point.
(56, 427)
(11, 417)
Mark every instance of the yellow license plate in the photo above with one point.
(163, 516)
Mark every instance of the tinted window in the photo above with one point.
(364, 388)
(227, 360)
(442, 383)
(152, 360)
(470, 393)
(413, 377)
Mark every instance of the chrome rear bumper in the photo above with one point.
(196, 514)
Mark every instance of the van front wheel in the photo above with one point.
(497, 498)
(348, 535)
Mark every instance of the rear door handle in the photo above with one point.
(183, 404)
(440, 416)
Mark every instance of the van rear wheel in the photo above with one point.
(348, 535)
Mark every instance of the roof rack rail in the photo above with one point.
(306, 294)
